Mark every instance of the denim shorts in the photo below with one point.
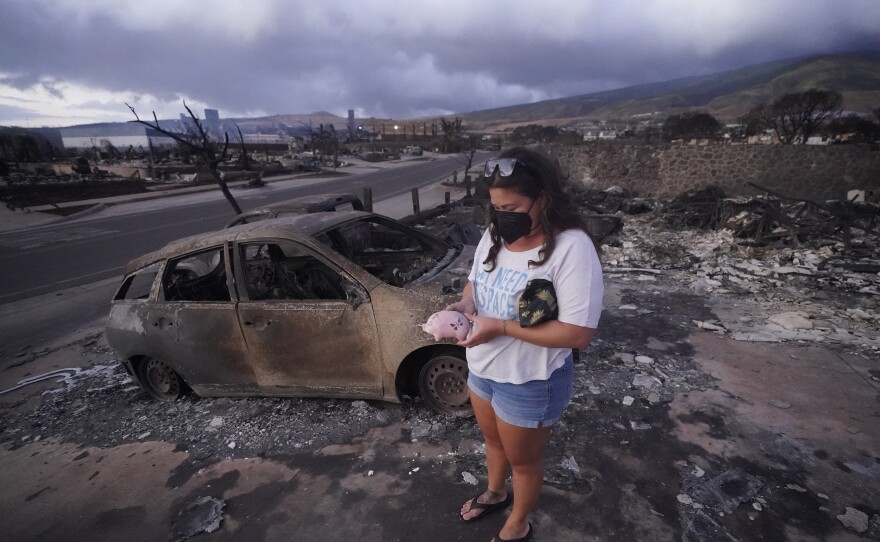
(537, 403)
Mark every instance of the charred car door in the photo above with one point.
(198, 327)
(309, 327)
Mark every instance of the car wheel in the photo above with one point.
(443, 384)
(159, 380)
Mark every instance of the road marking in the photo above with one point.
(27, 241)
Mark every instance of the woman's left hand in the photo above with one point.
(483, 330)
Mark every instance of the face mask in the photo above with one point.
(513, 225)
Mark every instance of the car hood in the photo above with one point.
(451, 274)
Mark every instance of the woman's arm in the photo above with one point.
(552, 334)
(466, 305)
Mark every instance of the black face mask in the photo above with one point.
(513, 225)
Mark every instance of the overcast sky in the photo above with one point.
(65, 62)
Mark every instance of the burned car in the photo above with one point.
(320, 305)
(317, 203)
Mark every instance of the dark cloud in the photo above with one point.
(394, 59)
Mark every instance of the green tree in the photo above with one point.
(537, 133)
(690, 124)
(795, 117)
(860, 129)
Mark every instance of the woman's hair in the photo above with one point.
(533, 174)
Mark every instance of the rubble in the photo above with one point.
(792, 320)
(469, 478)
(646, 381)
(727, 490)
(854, 520)
(209, 428)
(822, 284)
(616, 431)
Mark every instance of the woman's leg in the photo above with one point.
(524, 449)
(496, 462)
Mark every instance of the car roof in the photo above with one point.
(314, 203)
(292, 227)
(311, 202)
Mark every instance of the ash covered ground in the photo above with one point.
(677, 430)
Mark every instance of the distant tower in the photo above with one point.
(212, 122)
(351, 123)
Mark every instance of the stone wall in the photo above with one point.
(800, 171)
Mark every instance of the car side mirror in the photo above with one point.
(355, 294)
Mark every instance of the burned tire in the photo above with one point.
(443, 384)
(159, 380)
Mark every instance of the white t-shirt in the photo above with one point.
(576, 274)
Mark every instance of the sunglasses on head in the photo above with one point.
(504, 166)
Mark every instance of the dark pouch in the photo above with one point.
(537, 304)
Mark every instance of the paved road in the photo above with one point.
(51, 258)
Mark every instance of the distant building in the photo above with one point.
(265, 138)
(351, 125)
(120, 135)
(768, 137)
(212, 122)
(295, 144)
(593, 135)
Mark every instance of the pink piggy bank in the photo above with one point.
(447, 325)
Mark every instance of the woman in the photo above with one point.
(521, 376)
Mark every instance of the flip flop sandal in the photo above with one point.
(527, 536)
(487, 508)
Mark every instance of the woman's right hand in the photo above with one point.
(463, 306)
(466, 304)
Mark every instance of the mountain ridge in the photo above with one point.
(727, 95)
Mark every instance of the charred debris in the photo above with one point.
(836, 241)
(809, 278)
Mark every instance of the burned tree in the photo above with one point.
(244, 160)
(452, 134)
(327, 143)
(469, 148)
(199, 144)
(20, 145)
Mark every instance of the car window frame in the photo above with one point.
(230, 280)
(342, 247)
(160, 271)
(243, 295)
(424, 237)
